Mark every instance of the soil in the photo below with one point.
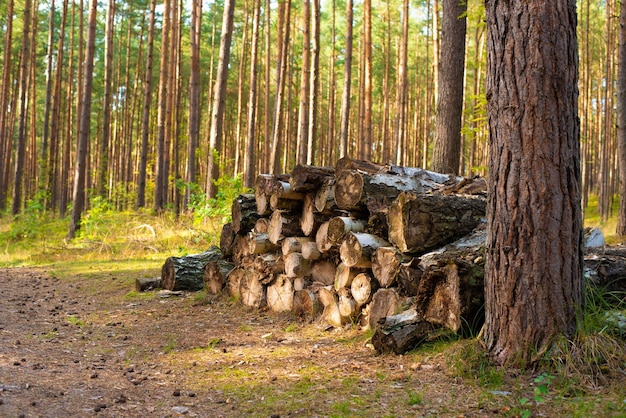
(72, 347)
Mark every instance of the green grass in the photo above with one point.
(609, 226)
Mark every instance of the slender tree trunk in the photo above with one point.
(53, 169)
(314, 85)
(366, 141)
(347, 79)
(621, 120)
(106, 119)
(447, 147)
(280, 83)
(64, 186)
(194, 97)
(160, 186)
(533, 273)
(267, 92)
(48, 101)
(250, 154)
(5, 92)
(303, 110)
(243, 60)
(400, 128)
(219, 99)
(145, 117)
(21, 134)
(85, 125)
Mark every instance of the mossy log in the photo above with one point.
(187, 273)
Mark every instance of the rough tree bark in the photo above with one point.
(533, 278)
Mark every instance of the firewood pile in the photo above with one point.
(357, 243)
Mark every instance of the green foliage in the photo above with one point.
(217, 209)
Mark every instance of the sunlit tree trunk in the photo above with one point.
(250, 154)
(106, 119)
(314, 85)
(194, 97)
(401, 112)
(533, 272)
(447, 146)
(219, 99)
(160, 186)
(85, 125)
(21, 134)
(305, 74)
(621, 120)
(145, 117)
(366, 141)
(48, 103)
(5, 93)
(347, 79)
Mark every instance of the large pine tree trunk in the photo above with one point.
(534, 217)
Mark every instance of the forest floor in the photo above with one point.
(88, 345)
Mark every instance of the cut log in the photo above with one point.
(283, 190)
(280, 294)
(294, 244)
(346, 304)
(300, 283)
(307, 178)
(402, 332)
(186, 273)
(347, 163)
(321, 238)
(438, 180)
(146, 284)
(260, 244)
(244, 213)
(357, 248)
(356, 190)
(386, 265)
(261, 225)
(233, 282)
(269, 265)
(339, 226)
(310, 251)
(363, 288)
(451, 289)
(215, 274)
(345, 274)
(296, 265)
(326, 296)
(283, 224)
(384, 303)
(227, 238)
(325, 196)
(467, 186)
(332, 316)
(606, 268)
(241, 249)
(409, 276)
(252, 290)
(310, 220)
(262, 193)
(323, 272)
(306, 304)
(289, 205)
(418, 223)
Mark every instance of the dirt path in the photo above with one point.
(75, 349)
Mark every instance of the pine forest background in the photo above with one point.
(156, 63)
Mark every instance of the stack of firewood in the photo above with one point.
(355, 243)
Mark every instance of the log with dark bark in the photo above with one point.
(420, 222)
(283, 224)
(355, 190)
(146, 284)
(451, 290)
(357, 248)
(307, 178)
(347, 163)
(409, 276)
(606, 269)
(280, 294)
(187, 273)
(215, 274)
(244, 213)
(402, 332)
